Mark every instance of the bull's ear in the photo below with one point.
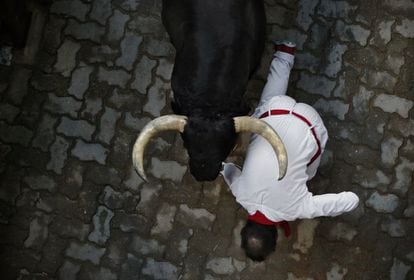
(175, 108)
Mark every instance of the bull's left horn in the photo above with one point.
(249, 124)
(167, 122)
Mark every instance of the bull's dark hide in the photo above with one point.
(218, 44)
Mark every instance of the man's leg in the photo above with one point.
(278, 77)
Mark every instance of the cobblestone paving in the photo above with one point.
(72, 207)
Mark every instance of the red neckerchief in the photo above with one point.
(259, 218)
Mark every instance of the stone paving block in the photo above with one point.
(394, 62)
(159, 48)
(319, 34)
(133, 181)
(85, 31)
(40, 182)
(386, 203)
(225, 266)
(147, 25)
(383, 33)
(336, 273)
(406, 28)
(70, 228)
(87, 151)
(393, 104)
(101, 224)
(101, 10)
(156, 98)
(389, 150)
(15, 134)
(160, 270)
(62, 105)
(399, 270)
(403, 127)
(68, 271)
(142, 74)
(306, 10)
(360, 102)
(117, 24)
(164, 220)
(337, 9)
(93, 106)
(131, 268)
(129, 50)
(70, 8)
(279, 15)
(169, 170)
(178, 240)
(80, 81)
(335, 107)
(147, 246)
(101, 53)
(305, 235)
(38, 232)
(85, 252)
(149, 196)
(117, 200)
(113, 77)
(101, 273)
(128, 5)
(370, 178)
(342, 232)
(123, 100)
(165, 68)
(316, 84)
(393, 227)
(334, 59)
(76, 128)
(66, 57)
(351, 33)
(403, 174)
(307, 61)
(58, 154)
(195, 217)
(131, 223)
(108, 125)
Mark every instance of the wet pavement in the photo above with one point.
(72, 207)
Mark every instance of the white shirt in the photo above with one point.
(257, 187)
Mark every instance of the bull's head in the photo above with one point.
(208, 142)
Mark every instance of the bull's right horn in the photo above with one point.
(249, 124)
(167, 122)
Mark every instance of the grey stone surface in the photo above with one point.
(336, 108)
(195, 217)
(143, 74)
(85, 252)
(167, 170)
(405, 28)
(101, 10)
(383, 203)
(316, 84)
(156, 98)
(59, 150)
(403, 174)
(80, 81)
(101, 223)
(41, 182)
(164, 221)
(129, 50)
(117, 24)
(8, 112)
(63, 105)
(85, 31)
(393, 227)
(399, 270)
(87, 151)
(76, 128)
(160, 270)
(66, 59)
(107, 125)
(71, 8)
(113, 77)
(393, 104)
(69, 271)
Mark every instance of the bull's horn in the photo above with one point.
(167, 122)
(249, 124)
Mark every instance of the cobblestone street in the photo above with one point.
(73, 207)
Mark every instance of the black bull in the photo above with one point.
(219, 44)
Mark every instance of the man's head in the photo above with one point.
(258, 240)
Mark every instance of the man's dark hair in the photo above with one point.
(258, 240)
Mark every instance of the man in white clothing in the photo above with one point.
(268, 201)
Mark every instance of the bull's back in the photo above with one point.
(219, 44)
